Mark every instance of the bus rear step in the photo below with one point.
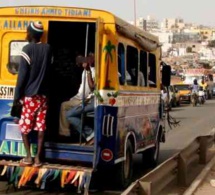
(19, 176)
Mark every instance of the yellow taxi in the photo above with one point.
(184, 92)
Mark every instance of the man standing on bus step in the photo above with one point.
(32, 89)
(76, 100)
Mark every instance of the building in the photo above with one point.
(206, 34)
(183, 37)
(165, 39)
(149, 24)
(141, 23)
(152, 25)
(172, 24)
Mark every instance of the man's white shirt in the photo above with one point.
(87, 87)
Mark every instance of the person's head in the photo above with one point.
(195, 82)
(91, 59)
(182, 78)
(203, 81)
(79, 60)
(34, 31)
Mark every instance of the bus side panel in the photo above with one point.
(106, 134)
(12, 42)
(139, 123)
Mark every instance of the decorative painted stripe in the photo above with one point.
(137, 100)
(119, 160)
(140, 115)
(26, 57)
(145, 148)
(141, 93)
(107, 129)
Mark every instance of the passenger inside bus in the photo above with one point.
(74, 117)
(68, 41)
(141, 80)
(152, 70)
(84, 90)
(73, 114)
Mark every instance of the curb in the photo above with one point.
(198, 181)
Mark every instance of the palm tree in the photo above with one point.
(108, 59)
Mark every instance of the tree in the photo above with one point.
(189, 50)
(108, 59)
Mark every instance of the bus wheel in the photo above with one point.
(125, 169)
(151, 156)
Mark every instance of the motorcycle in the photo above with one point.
(194, 99)
(201, 95)
(206, 94)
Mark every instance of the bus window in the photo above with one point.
(15, 53)
(121, 63)
(132, 66)
(152, 70)
(142, 79)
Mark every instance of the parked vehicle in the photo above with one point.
(184, 92)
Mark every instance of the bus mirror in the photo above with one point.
(166, 75)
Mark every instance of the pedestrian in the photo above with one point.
(32, 89)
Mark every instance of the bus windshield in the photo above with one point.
(182, 87)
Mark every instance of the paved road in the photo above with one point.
(195, 121)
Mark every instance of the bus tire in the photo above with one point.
(150, 157)
(125, 168)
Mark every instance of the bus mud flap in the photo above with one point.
(41, 177)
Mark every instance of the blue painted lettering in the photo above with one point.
(13, 24)
(19, 149)
(12, 149)
(6, 24)
(27, 11)
(19, 24)
(75, 12)
(15, 148)
(60, 12)
(25, 24)
(86, 13)
(4, 149)
(52, 11)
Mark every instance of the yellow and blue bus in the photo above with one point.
(127, 118)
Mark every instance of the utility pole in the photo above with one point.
(135, 20)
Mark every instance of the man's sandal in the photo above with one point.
(24, 162)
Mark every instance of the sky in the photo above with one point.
(194, 11)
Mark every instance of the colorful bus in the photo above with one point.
(127, 117)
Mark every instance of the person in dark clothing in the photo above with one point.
(32, 89)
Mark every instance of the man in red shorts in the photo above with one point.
(32, 89)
